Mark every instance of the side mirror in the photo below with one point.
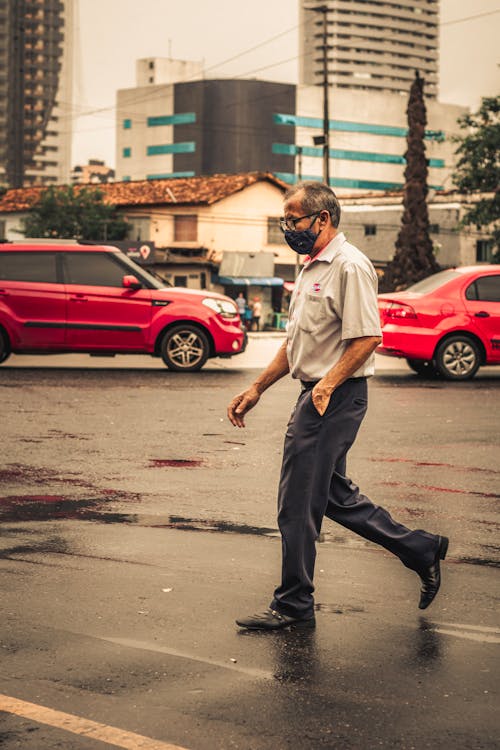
(131, 282)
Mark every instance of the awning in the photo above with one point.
(249, 281)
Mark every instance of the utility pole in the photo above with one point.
(299, 163)
(325, 139)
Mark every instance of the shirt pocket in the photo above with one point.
(312, 313)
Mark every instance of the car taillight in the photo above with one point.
(390, 310)
(399, 310)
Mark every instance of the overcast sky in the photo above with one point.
(112, 34)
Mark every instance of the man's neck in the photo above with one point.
(324, 239)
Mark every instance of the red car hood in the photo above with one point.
(181, 291)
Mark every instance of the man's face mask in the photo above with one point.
(301, 241)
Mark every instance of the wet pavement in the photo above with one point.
(137, 523)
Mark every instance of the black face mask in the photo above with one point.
(302, 242)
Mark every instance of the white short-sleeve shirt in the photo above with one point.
(334, 300)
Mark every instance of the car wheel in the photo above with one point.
(184, 348)
(423, 367)
(458, 357)
(4, 347)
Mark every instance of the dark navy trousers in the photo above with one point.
(313, 484)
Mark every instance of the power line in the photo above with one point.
(148, 97)
(470, 18)
(252, 49)
(159, 94)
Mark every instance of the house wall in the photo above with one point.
(237, 223)
(451, 246)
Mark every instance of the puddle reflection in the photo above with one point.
(294, 653)
(426, 644)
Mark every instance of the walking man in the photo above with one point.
(332, 334)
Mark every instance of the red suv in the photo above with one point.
(448, 323)
(87, 298)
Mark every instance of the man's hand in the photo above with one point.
(241, 404)
(321, 397)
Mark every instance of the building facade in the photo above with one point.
(371, 45)
(95, 172)
(35, 91)
(203, 127)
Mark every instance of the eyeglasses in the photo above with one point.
(291, 224)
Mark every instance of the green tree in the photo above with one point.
(74, 213)
(478, 168)
(414, 257)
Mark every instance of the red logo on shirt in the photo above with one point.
(316, 287)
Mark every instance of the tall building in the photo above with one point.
(372, 45)
(203, 127)
(35, 91)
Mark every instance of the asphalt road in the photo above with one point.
(137, 523)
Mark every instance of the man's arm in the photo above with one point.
(245, 401)
(357, 352)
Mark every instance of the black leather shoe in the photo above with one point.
(431, 576)
(273, 620)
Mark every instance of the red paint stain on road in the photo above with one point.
(432, 488)
(435, 463)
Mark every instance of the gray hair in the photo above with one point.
(316, 197)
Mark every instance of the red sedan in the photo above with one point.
(448, 323)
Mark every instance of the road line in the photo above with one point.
(469, 636)
(83, 727)
(462, 626)
(478, 633)
(145, 646)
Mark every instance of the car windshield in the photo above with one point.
(152, 277)
(433, 282)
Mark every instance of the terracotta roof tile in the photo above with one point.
(187, 191)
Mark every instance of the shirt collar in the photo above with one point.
(329, 251)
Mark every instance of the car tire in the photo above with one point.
(458, 357)
(184, 348)
(423, 367)
(4, 347)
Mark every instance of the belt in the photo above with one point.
(307, 385)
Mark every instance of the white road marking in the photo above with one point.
(478, 633)
(81, 726)
(146, 646)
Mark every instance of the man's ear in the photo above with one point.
(324, 218)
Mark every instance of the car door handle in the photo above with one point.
(78, 298)
(482, 314)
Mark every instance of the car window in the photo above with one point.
(488, 288)
(28, 266)
(93, 269)
(433, 282)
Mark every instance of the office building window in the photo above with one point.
(127, 124)
(434, 228)
(127, 152)
(370, 230)
(185, 228)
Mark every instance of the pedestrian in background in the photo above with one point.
(332, 334)
(256, 313)
(241, 304)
